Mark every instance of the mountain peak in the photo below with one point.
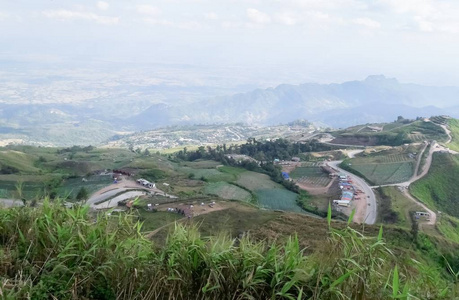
(380, 78)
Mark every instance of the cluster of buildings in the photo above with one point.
(348, 191)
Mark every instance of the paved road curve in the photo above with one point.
(370, 214)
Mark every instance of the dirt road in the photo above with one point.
(433, 215)
(126, 188)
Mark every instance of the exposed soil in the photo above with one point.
(330, 189)
(291, 166)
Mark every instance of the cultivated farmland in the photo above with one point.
(389, 166)
(386, 173)
(269, 194)
(256, 181)
(212, 175)
(228, 191)
(278, 199)
(311, 175)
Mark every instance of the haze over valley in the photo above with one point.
(39, 102)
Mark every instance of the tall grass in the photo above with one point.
(52, 252)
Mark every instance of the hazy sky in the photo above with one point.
(323, 40)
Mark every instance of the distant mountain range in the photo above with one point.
(376, 99)
(373, 100)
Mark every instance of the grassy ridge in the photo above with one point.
(394, 135)
(454, 127)
(399, 204)
(439, 188)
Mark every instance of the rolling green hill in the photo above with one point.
(395, 134)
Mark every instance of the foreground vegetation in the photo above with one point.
(52, 252)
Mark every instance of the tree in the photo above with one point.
(82, 194)
(146, 152)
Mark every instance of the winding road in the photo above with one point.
(370, 208)
(109, 196)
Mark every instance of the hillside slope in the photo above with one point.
(439, 189)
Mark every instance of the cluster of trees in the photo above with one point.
(75, 149)
(261, 151)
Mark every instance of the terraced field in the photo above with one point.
(386, 173)
(382, 159)
(311, 175)
(417, 137)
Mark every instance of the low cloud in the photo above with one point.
(66, 15)
(102, 5)
(211, 16)
(258, 17)
(150, 10)
(4, 16)
(367, 22)
(287, 19)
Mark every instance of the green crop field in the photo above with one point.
(386, 173)
(228, 191)
(256, 181)
(381, 159)
(393, 165)
(278, 199)
(202, 164)
(269, 194)
(311, 175)
(212, 175)
(307, 171)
